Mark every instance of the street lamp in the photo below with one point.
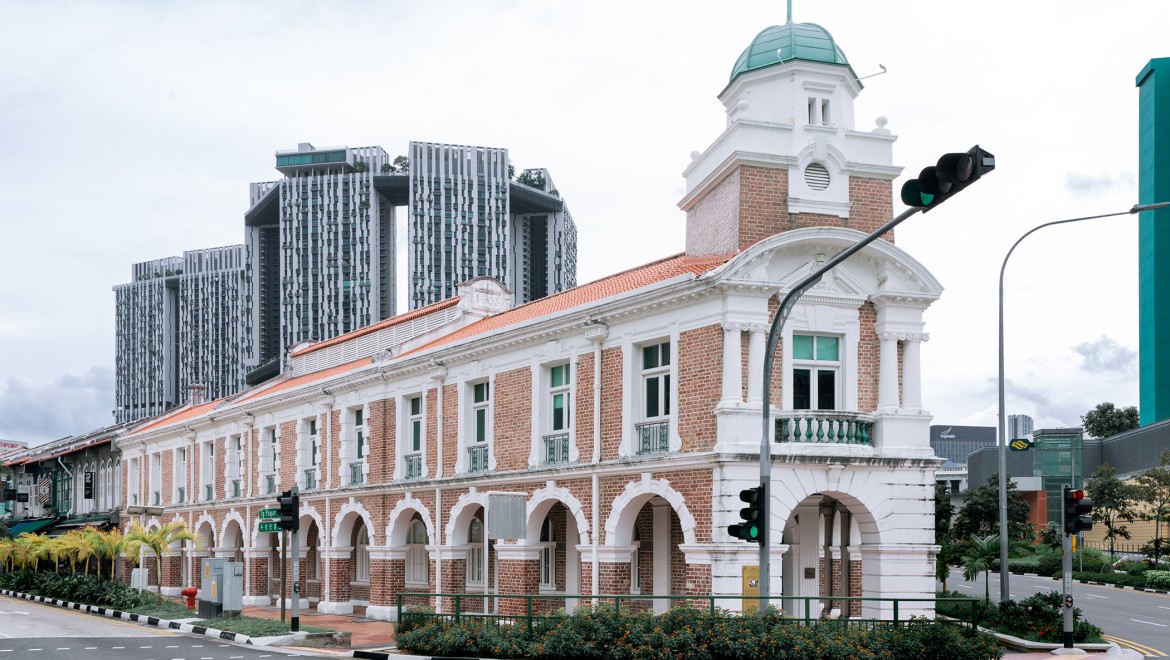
(1003, 476)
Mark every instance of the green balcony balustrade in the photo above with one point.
(825, 427)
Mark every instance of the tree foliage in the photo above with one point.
(1106, 420)
(1113, 503)
(982, 505)
(944, 511)
(1154, 490)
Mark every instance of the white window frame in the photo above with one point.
(207, 470)
(471, 437)
(815, 366)
(233, 466)
(308, 452)
(657, 373)
(547, 570)
(475, 549)
(355, 448)
(179, 476)
(418, 569)
(361, 553)
(269, 458)
(131, 481)
(547, 422)
(156, 479)
(411, 421)
(665, 376)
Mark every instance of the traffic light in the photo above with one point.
(290, 510)
(953, 172)
(1078, 511)
(754, 515)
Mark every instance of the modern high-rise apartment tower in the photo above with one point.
(180, 321)
(1018, 426)
(320, 260)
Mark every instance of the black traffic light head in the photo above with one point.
(939, 182)
(754, 515)
(290, 510)
(1078, 511)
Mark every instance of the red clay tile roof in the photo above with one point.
(289, 383)
(380, 325)
(181, 415)
(635, 278)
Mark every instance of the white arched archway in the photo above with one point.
(344, 519)
(399, 522)
(544, 499)
(461, 516)
(619, 526)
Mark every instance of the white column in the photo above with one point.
(756, 364)
(732, 365)
(888, 376)
(912, 371)
(662, 555)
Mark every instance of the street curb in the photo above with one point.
(1101, 584)
(138, 618)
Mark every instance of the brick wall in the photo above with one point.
(868, 359)
(700, 381)
(611, 402)
(583, 408)
(450, 425)
(382, 426)
(871, 204)
(711, 222)
(512, 418)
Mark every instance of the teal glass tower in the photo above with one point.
(1154, 239)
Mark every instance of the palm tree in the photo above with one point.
(33, 547)
(58, 547)
(979, 556)
(108, 545)
(83, 544)
(6, 552)
(158, 539)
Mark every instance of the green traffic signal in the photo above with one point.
(952, 173)
(753, 516)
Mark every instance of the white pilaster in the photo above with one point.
(756, 337)
(912, 372)
(732, 365)
(888, 376)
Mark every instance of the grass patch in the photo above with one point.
(256, 626)
(165, 609)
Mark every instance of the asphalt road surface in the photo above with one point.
(1135, 619)
(34, 631)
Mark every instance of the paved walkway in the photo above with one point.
(366, 634)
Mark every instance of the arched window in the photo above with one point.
(361, 551)
(475, 554)
(417, 562)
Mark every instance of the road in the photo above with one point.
(1131, 618)
(34, 631)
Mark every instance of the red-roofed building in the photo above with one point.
(625, 413)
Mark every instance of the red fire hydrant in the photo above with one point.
(189, 593)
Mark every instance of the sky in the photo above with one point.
(130, 130)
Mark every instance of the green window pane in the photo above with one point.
(416, 434)
(357, 417)
(652, 397)
(416, 405)
(361, 445)
(480, 425)
(666, 394)
(481, 392)
(558, 412)
(826, 389)
(801, 389)
(802, 347)
(649, 357)
(560, 375)
(664, 353)
(827, 348)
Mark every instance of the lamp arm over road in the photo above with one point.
(1004, 591)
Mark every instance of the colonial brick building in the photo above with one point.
(625, 411)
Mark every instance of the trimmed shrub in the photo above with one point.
(1157, 579)
(684, 633)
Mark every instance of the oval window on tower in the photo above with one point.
(816, 176)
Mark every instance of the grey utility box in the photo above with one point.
(211, 587)
(232, 587)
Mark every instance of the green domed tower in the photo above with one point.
(790, 155)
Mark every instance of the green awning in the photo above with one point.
(30, 525)
(68, 524)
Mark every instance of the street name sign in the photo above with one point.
(270, 526)
(269, 513)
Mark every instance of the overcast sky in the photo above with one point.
(130, 131)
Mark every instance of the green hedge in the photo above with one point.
(1157, 579)
(83, 588)
(1039, 617)
(683, 633)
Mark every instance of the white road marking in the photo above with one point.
(1095, 596)
(1160, 625)
(1163, 607)
(1, 612)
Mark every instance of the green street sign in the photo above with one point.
(270, 526)
(269, 513)
(1020, 444)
